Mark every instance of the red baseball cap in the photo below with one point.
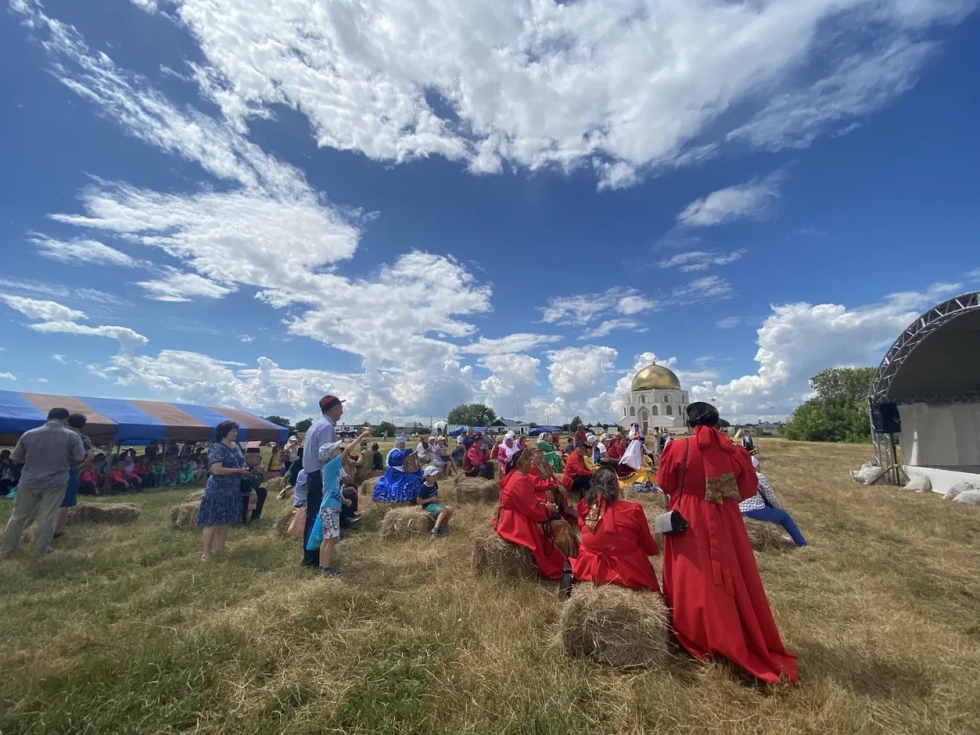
(328, 402)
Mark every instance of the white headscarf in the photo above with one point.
(633, 456)
(511, 450)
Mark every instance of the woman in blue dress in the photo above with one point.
(221, 505)
(397, 485)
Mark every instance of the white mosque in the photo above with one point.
(655, 400)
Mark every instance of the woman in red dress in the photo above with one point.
(524, 520)
(711, 581)
(616, 540)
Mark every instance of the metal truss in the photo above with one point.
(913, 336)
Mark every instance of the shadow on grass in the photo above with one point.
(863, 673)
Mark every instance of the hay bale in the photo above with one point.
(184, 516)
(493, 555)
(764, 536)
(195, 497)
(112, 513)
(282, 525)
(275, 485)
(475, 490)
(615, 626)
(401, 524)
(366, 488)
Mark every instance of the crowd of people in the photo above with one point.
(563, 505)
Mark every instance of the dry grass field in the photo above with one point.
(124, 630)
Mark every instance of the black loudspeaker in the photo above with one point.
(885, 418)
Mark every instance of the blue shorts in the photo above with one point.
(71, 492)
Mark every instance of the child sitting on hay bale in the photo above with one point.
(429, 500)
(614, 626)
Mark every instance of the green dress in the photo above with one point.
(552, 457)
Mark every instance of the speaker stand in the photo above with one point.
(894, 473)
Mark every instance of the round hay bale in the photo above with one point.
(366, 488)
(493, 555)
(275, 485)
(184, 516)
(764, 536)
(401, 524)
(194, 497)
(112, 513)
(615, 626)
(475, 490)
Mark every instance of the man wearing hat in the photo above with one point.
(321, 433)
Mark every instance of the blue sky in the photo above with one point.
(414, 205)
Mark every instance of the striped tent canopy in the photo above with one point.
(131, 421)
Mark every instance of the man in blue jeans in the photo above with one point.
(764, 506)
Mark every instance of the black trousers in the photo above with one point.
(581, 485)
(262, 493)
(347, 511)
(314, 497)
(484, 470)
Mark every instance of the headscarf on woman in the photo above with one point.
(710, 578)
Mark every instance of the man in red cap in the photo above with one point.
(323, 431)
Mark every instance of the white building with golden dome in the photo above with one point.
(655, 400)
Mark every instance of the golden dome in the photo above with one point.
(655, 377)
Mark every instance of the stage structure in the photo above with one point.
(932, 373)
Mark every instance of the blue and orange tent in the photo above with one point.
(115, 420)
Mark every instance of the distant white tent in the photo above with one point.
(933, 373)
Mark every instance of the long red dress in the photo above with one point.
(711, 581)
(518, 516)
(618, 551)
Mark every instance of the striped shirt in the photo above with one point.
(758, 501)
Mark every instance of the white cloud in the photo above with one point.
(700, 260)
(40, 309)
(751, 200)
(798, 340)
(246, 338)
(702, 289)
(43, 380)
(177, 286)
(8, 376)
(582, 309)
(621, 86)
(54, 318)
(579, 373)
(609, 326)
(60, 358)
(510, 386)
(85, 251)
(521, 342)
(729, 322)
(23, 285)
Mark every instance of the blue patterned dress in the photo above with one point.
(397, 485)
(222, 501)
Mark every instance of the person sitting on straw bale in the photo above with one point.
(442, 458)
(711, 580)
(548, 487)
(255, 499)
(429, 500)
(546, 443)
(326, 529)
(577, 476)
(397, 485)
(364, 466)
(506, 449)
(476, 462)
(635, 467)
(424, 451)
(523, 520)
(764, 506)
(616, 540)
(289, 454)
